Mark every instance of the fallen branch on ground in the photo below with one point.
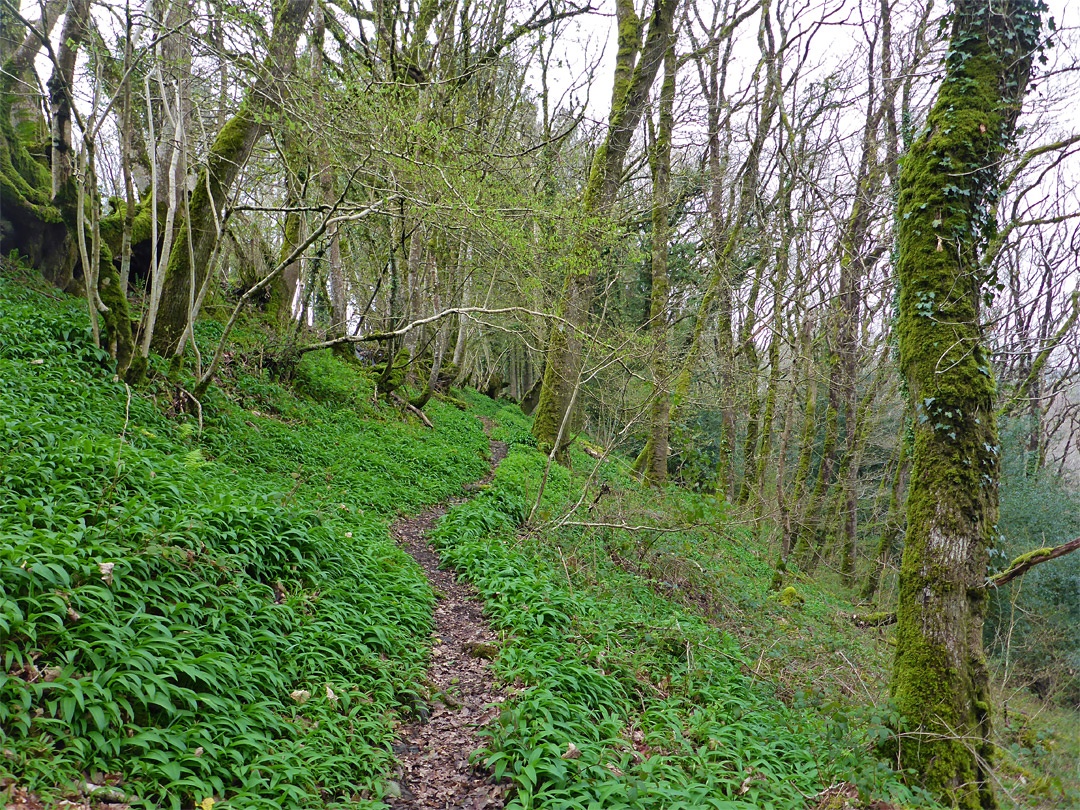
(410, 407)
(883, 619)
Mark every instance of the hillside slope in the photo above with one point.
(170, 595)
(192, 612)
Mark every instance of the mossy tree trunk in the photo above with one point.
(26, 113)
(779, 284)
(749, 370)
(660, 410)
(60, 94)
(29, 221)
(893, 522)
(858, 255)
(188, 266)
(712, 64)
(44, 207)
(947, 186)
(848, 476)
(806, 435)
(789, 508)
(636, 68)
(810, 529)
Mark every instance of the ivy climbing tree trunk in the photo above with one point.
(947, 185)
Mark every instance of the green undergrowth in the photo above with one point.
(213, 609)
(219, 613)
(1038, 752)
(676, 620)
(625, 694)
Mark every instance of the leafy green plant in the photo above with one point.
(625, 699)
(206, 614)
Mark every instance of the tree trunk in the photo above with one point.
(283, 289)
(413, 280)
(29, 222)
(727, 238)
(565, 343)
(26, 117)
(809, 531)
(948, 178)
(60, 84)
(750, 367)
(893, 522)
(187, 267)
(789, 538)
(660, 411)
(172, 104)
(296, 164)
(779, 282)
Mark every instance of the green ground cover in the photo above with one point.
(166, 591)
(216, 611)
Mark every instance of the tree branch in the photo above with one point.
(1024, 389)
(1018, 567)
(373, 336)
(534, 23)
(1022, 564)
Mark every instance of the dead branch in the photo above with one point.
(375, 336)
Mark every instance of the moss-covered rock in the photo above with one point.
(790, 597)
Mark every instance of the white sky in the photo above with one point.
(587, 45)
(591, 38)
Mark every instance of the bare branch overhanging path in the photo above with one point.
(435, 772)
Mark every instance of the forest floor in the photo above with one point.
(436, 751)
(232, 611)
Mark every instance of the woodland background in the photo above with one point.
(427, 188)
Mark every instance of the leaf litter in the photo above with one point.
(436, 771)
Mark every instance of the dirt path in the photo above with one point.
(435, 773)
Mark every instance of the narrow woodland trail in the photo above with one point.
(435, 772)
